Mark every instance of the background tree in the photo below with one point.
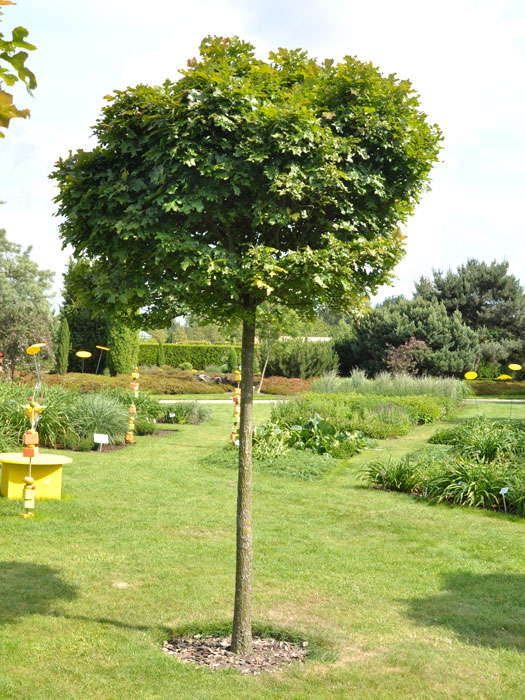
(452, 345)
(63, 346)
(490, 301)
(246, 179)
(12, 70)
(406, 357)
(122, 341)
(87, 329)
(161, 360)
(25, 309)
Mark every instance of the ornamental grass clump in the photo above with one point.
(54, 424)
(99, 413)
(448, 390)
(484, 440)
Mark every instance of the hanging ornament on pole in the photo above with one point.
(234, 435)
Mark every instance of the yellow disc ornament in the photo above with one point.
(515, 368)
(34, 349)
(83, 354)
(101, 347)
(471, 375)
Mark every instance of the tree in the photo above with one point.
(486, 296)
(246, 180)
(161, 360)
(404, 357)
(25, 309)
(121, 341)
(452, 345)
(87, 329)
(63, 346)
(13, 69)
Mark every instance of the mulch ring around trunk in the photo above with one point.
(268, 655)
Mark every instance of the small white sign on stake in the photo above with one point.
(101, 439)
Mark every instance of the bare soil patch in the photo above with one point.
(268, 655)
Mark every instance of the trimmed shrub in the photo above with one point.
(175, 354)
(62, 352)
(303, 359)
(161, 360)
(232, 362)
(121, 341)
(492, 388)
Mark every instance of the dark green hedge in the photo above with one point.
(176, 353)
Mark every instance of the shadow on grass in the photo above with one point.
(482, 609)
(30, 589)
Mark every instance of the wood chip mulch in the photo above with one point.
(267, 655)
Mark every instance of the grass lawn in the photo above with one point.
(399, 599)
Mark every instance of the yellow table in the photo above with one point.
(46, 470)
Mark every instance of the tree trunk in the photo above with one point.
(242, 615)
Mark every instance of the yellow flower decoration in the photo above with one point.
(35, 348)
(515, 367)
(471, 375)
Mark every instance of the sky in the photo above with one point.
(465, 58)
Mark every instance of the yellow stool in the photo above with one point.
(46, 470)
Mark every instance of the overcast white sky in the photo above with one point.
(466, 58)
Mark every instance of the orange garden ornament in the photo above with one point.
(234, 435)
(33, 410)
(134, 386)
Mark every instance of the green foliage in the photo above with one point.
(144, 425)
(62, 351)
(493, 388)
(322, 162)
(484, 440)
(54, 424)
(99, 413)
(374, 416)
(394, 475)
(487, 297)
(472, 483)
(483, 457)
(121, 341)
(181, 383)
(189, 412)
(304, 466)
(198, 356)
(300, 358)
(86, 329)
(161, 360)
(318, 435)
(452, 346)
(13, 69)
(186, 366)
(25, 309)
(232, 360)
